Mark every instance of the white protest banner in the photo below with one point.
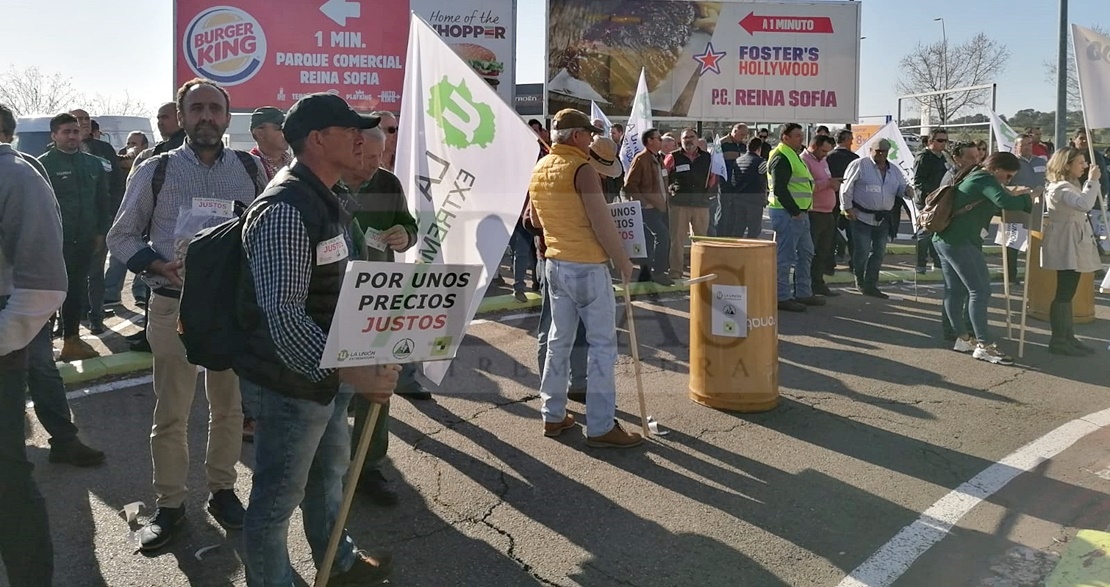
(1092, 64)
(597, 114)
(1003, 134)
(899, 154)
(629, 219)
(638, 122)
(717, 165)
(465, 159)
(400, 313)
(1012, 235)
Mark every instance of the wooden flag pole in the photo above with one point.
(353, 472)
(1036, 219)
(1006, 279)
(636, 359)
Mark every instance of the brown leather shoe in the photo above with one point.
(75, 349)
(615, 438)
(553, 429)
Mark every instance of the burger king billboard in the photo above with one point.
(273, 52)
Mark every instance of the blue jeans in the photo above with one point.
(47, 389)
(581, 292)
(522, 244)
(795, 251)
(966, 281)
(868, 249)
(657, 232)
(114, 278)
(578, 352)
(302, 450)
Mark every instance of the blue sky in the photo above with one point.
(103, 31)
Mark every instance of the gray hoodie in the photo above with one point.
(32, 270)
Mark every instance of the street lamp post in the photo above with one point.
(1062, 79)
(944, 60)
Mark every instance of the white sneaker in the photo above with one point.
(991, 354)
(964, 344)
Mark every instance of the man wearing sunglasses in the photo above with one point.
(929, 169)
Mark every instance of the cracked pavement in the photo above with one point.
(877, 421)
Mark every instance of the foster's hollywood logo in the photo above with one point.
(225, 44)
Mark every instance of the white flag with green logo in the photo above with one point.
(638, 122)
(900, 154)
(1005, 136)
(465, 159)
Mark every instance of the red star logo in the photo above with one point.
(709, 60)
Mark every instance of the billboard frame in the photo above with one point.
(859, 28)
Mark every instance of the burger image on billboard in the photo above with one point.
(224, 44)
(481, 60)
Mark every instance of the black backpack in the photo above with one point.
(207, 322)
(208, 319)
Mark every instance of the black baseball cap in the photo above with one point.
(320, 111)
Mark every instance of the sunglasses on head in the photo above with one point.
(390, 129)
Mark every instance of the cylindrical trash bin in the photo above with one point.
(1042, 288)
(734, 351)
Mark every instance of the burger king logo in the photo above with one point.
(225, 45)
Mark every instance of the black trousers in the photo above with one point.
(78, 257)
(1067, 282)
(822, 227)
(24, 528)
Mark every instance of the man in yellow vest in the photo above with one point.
(568, 201)
(791, 197)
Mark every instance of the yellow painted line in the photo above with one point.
(1086, 562)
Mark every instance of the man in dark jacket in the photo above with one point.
(690, 184)
(383, 227)
(744, 194)
(81, 185)
(302, 447)
(169, 127)
(117, 179)
(839, 159)
(929, 169)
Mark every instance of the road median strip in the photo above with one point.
(131, 361)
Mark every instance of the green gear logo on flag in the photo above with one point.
(465, 122)
(893, 154)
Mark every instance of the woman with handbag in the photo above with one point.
(982, 192)
(1069, 245)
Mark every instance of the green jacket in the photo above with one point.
(81, 185)
(978, 186)
(378, 203)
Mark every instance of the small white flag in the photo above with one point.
(597, 114)
(638, 122)
(1005, 136)
(717, 164)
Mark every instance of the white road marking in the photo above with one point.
(896, 556)
(110, 386)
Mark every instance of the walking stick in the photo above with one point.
(353, 473)
(636, 360)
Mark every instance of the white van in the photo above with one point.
(32, 133)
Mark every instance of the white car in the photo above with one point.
(912, 141)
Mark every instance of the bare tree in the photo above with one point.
(29, 91)
(124, 105)
(1073, 82)
(944, 66)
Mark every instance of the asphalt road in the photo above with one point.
(877, 421)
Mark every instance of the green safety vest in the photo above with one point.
(801, 180)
